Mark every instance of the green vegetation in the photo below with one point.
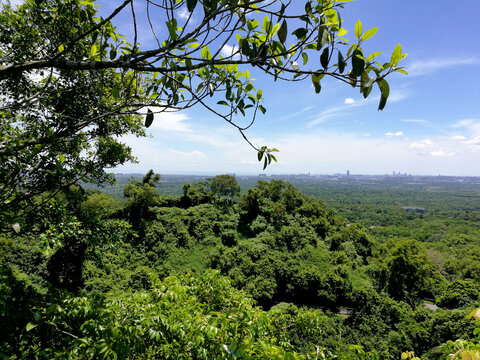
(87, 277)
(208, 272)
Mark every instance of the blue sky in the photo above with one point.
(431, 124)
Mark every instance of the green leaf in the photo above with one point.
(149, 118)
(367, 87)
(322, 39)
(93, 50)
(324, 58)
(206, 53)
(245, 47)
(305, 58)
(172, 27)
(300, 33)
(252, 24)
(259, 94)
(30, 326)
(282, 32)
(341, 63)
(369, 33)
(382, 103)
(384, 87)
(61, 48)
(358, 29)
(401, 71)
(17, 228)
(267, 25)
(317, 77)
(317, 86)
(262, 109)
(373, 55)
(265, 163)
(115, 93)
(113, 54)
(222, 102)
(260, 155)
(61, 158)
(358, 64)
(191, 5)
(396, 55)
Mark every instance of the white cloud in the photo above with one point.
(248, 162)
(435, 149)
(424, 67)
(183, 14)
(441, 153)
(391, 134)
(337, 111)
(397, 96)
(195, 154)
(168, 121)
(230, 51)
(332, 113)
(421, 144)
(416, 121)
(459, 137)
(473, 144)
(471, 125)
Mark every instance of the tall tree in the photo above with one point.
(224, 185)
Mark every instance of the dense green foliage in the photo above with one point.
(205, 273)
(89, 277)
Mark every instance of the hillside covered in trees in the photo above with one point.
(212, 274)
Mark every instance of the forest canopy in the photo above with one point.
(183, 276)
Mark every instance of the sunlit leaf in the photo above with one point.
(30, 326)
(16, 227)
(396, 55)
(305, 58)
(358, 28)
(369, 33)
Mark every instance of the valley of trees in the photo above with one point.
(271, 273)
